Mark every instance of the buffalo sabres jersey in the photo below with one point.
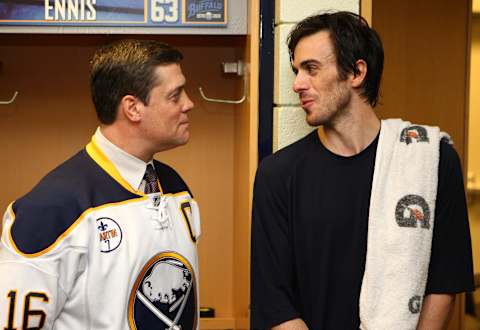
(84, 250)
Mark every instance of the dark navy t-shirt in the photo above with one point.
(309, 235)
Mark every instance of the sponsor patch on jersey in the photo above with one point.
(163, 296)
(109, 234)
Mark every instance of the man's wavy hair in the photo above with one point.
(352, 40)
(126, 67)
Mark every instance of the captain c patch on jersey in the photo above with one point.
(164, 295)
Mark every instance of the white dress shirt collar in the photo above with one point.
(130, 167)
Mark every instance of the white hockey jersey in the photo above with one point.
(83, 250)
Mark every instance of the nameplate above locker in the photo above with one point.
(124, 16)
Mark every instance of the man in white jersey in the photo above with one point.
(107, 240)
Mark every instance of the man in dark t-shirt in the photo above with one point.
(312, 199)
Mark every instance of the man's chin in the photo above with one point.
(184, 140)
(314, 122)
(174, 144)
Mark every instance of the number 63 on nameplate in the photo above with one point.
(164, 11)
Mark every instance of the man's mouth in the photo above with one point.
(306, 102)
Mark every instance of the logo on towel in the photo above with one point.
(415, 304)
(164, 295)
(412, 209)
(414, 133)
(110, 234)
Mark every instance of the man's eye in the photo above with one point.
(311, 68)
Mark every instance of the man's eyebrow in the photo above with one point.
(176, 90)
(308, 62)
(304, 64)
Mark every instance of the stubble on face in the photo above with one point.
(332, 105)
(324, 94)
(165, 123)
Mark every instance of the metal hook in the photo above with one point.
(11, 100)
(237, 68)
(226, 101)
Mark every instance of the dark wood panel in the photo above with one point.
(425, 76)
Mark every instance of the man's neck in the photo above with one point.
(125, 139)
(351, 134)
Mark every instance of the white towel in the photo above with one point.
(400, 225)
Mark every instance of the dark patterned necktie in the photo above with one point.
(151, 182)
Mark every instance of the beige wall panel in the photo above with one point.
(283, 93)
(289, 125)
(289, 11)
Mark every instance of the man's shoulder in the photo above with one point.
(42, 215)
(74, 183)
(283, 160)
(60, 184)
(448, 152)
(450, 166)
(49, 208)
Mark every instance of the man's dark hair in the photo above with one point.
(126, 67)
(352, 40)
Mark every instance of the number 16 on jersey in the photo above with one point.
(31, 319)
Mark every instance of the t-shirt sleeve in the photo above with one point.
(451, 266)
(272, 276)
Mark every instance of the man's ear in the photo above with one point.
(131, 107)
(358, 79)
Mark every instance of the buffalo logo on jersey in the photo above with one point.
(110, 234)
(414, 133)
(412, 209)
(164, 295)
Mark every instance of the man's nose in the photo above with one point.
(188, 104)
(300, 83)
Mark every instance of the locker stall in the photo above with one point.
(425, 77)
(53, 117)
